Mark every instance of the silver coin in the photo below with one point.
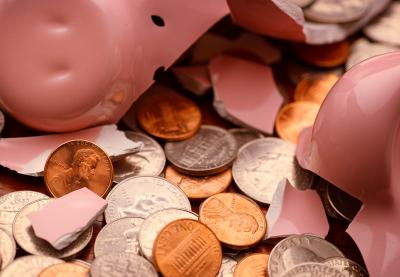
(211, 150)
(347, 267)
(120, 236)
(336, 11)
(2, 121)
(261, 165)
(243, 135)
(27, 240)
(122, 264)
(142, 196)
(227, 267)
(299, 249)
(149, 161)
(302, 3)
(7, 248)
(29, 266)
(314, 270)
(152, 226)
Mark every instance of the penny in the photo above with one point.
(77, 164)
(237, 221)
(299, 249)
(142, 196)
(227, 267)
(345, 205)
(187, 247)
(7, 249)
(302, 3)
(29, 266)
(119, 236)
(65, 270)
(149, 161)
(122, 264)
(27, 240)
(210, 151)
(336, 11)
(200, 187)
(262, 164)
(243, 135)
(346, 266)
(152, 226)
(315, 87)
(293, 118)
(2, 121)
(252, 265)
(167, 115)
(312, 269)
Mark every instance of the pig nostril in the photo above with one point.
(157, 74)
(158, 20)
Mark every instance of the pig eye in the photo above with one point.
(158, 20)
(157, 74)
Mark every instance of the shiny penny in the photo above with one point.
(167, 115)
(237, 221)
(293, 118)
(346, 266)
(243, 135)
(199, 187)
(119, 236)
(227, 267)
(314, 88)
(77, 164)
(7, 248)
(149, 161)
(29, 266)
(2, 121)
(27, 240)
(187, 247)
(65, 270)
(252, 265)
(212, 150)
(312, 269)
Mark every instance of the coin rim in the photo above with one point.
(235, 274)
(4, 263)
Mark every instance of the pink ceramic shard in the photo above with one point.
(355, 144)
(28, 155)
(208, 46)
(247, 92)
(65, 218)
(294, 211)
(193, 78)
(283, 19)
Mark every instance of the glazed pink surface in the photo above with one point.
(66, 65)
(355, 144)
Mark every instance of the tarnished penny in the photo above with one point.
(2, 121)
(167, 115)
(65, 270)
(77, 164)
(7, 248)
(227, 267)
(237, 221)
(346, 266)
(312, 269)
(252, 265)
(27, 240)
(315, 87)
(301, 3)
(186, 247)
(243, 135)
(29, 266)
(199, 187)
(336, 11)
(293, 118)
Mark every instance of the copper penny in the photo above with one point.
(293, 118)
(252, 265)
(77, 164)
(186, 247)
(199, 187)
(167, 115)
(237, 221)
(315, 87)
(65, 270)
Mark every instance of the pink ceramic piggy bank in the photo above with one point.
(69, 64)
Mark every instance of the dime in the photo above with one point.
(152, 226)
(345, 205)
(122, 264)
(210, 151)
(301, 3)
(336, 11)
(252, 265)
(243, 135)
(312, 269)
(314, 88)
(227, 267)
(119, 236)
(200, 187)
(346, 266)
(29, 266)
(2, 121)
(186, 247)
(149, 161)
(65, 270)
(142, 196)
(299, 249)
(167, 115)
(27, 240)
(293, 118)
(7, 248)
(237, 221)
(262, 164)
(76, 164)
